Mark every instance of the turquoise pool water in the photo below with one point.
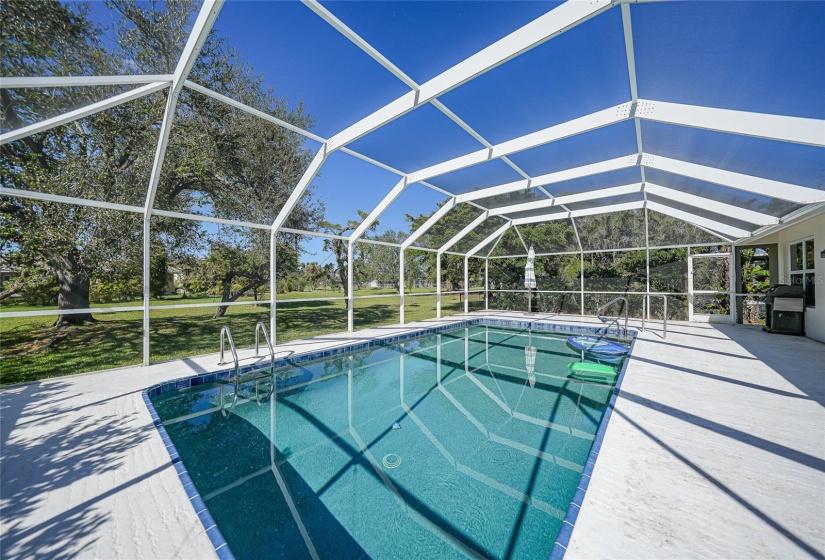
(445, 446)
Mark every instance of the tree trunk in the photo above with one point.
(341, 252)
(73, 294)
(342, 275)
(226, 296)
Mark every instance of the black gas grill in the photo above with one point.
(785, 309)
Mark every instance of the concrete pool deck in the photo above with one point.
(715, 449)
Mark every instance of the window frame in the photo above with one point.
(804, 271)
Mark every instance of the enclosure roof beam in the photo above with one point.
(630, 55)
(627, 30)
(797, 130)
(431, 221)
(467, 229)
(251, 110)
(48, 197)
(472, 132)
(362, 44)
(493, 247)
(538, 31)
(606, 209)
(800, 214)
(378, 210)
(296, 194)
(82, 112)
(550, 178)
(73, 81)
(210, 219)
(344, 30)
(275, 120)
(518, 233)
(713, 225)
(545, 136)
(704, 223)
(568, 199)
(775, 127)
(200, 31)
(489, 239)
(736, 212)
(749, 183)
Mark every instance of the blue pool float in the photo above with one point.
(599, 347)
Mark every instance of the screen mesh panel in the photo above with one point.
(459, 217)
(106, 157)
(666, 230)
(615, 230)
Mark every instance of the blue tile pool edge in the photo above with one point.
(211, 529)
(572, 514)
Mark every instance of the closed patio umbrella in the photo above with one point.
(530, 278)
(530, 359)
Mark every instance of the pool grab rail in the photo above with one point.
(613, 320)
(646, 311)
(260, 326)
(226, 334)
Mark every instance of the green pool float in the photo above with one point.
(599, 373)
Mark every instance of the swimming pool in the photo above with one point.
(444, 445)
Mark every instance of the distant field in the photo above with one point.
(30, 349)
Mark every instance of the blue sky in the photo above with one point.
(754, 56)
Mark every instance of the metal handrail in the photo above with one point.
(646, 310)
(226, 333)
(258, 328)
(616, 319)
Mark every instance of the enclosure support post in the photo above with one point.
(690, 285)
(486, 283)
(401, 286)
(732, 282)
(273, 285)
(581, 281)
(350, 300)
(466, 284)
(146, 278)
(200, 31)
(438, 286)
(646, 306)
(581, 264)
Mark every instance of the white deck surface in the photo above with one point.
(716, 449)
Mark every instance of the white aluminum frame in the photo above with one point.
(803, 131)
(82, 112)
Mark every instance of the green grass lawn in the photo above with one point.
(30, 349)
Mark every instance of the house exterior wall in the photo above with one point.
(813, 227)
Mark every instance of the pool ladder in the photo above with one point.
(610, 321)
(267, 373)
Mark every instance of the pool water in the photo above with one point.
(445, 446)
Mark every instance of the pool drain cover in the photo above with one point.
(391, 460)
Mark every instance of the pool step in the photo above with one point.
(253, 375)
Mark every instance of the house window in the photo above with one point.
(802, 269)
